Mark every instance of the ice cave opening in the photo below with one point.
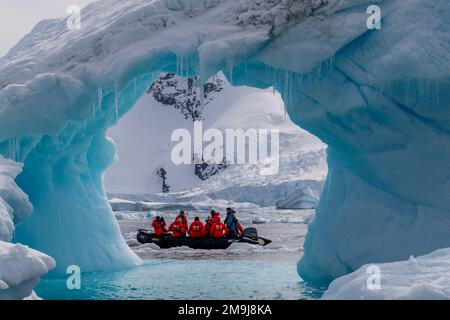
(63, 174)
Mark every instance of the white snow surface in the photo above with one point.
(14, 203)
(20, 270)
(423, 278)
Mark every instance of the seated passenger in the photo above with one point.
(159, 226)
(215, 214)
(234, 227)
(218, 229)
(208, 224)
(197, 229)
(182, 218)
(178, 228)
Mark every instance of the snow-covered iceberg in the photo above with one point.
(20, 270)
(14, 203)
(301, 198)
(378, 98)
(422, 278)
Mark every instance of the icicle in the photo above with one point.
(14, 149)
(291, 84)
(438, 92)
(116, 102)
(11, 148)
(100, 98)
(246, 70)
(286, 87)
(406, 91)
(268, 75)
(229, 68)
(94, 110)
(181, 67)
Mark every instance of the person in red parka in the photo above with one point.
(196, 229)
(218, 229)
(179, 226)
(159, 226)
(178, 230)
(182, 218)
(215, 214)
(210, 221)
(208, 224)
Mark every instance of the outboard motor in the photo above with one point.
(251, 233)
(143, 236)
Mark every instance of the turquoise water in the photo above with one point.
(241, 272)
(187, 279)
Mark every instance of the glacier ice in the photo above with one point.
(379, 99)
(14, 203)
(418, 278)
(20, 270)
(301, 198)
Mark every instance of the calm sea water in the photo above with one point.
(241, 272)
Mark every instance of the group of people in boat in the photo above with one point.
(213, 227)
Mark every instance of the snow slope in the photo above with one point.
(143, 144)
(422, 278)
(378, 99)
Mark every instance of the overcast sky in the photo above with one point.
(17, 17)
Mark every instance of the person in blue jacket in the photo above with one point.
(232, 223)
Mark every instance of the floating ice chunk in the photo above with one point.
(33, 296)
(302, 198)
(21, 269)
(258, 220)
(425, 277)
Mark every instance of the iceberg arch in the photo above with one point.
(379, 99)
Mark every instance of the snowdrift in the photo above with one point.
(379, 99)
(421, 278)
(20, 270)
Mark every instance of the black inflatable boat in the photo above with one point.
(167, 241)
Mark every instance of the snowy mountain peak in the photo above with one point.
(183, 94)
